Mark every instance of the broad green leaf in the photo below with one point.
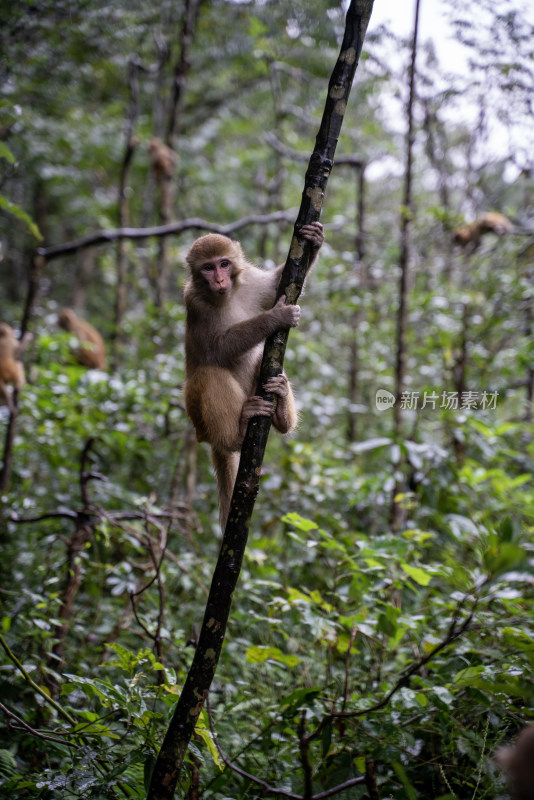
(417, 574)
(299, 522)
(258, 655)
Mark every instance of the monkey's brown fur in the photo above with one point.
(11, 370)
(230, 313)
(517, 761)
(92, 350)
(490, 222)
(163, 159)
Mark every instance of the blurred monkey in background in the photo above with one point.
(490, 222)
(11, 368)
(92, 350)
(163, 161)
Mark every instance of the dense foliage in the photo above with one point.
(359, 653)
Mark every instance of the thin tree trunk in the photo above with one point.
(226, 574)
(34, 274)
(354, 357)
(402, 313)
(122, 210)
(460, 371)
(73, 573)
(173, 132)
(73, 580)
(181, 71)
(7, 455)
(528, 333)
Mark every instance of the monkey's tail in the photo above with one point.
(226, 465)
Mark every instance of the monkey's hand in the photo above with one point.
(253, 407)
(278, 385)
(314, 233)
(281, 388)
(287, 316)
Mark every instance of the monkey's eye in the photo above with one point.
(225, 263)
(207, 267)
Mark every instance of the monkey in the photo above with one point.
(11, 369)
(517, 762)
(92, 350)
(490, 222)
(163, 160)
(229, 314)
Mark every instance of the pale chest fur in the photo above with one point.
(246, 368)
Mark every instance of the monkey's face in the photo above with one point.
(217, 272)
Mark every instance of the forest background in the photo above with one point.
(381, 639)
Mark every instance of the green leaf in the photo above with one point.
(299, 522)
(387, 620)
(8, 765)
(502, 557)
(6, 153)
(417, 574)
(202, 729)
(259, 654)
(19, 213)
(299, 698)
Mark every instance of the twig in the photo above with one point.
(12, 657)
(21, 725)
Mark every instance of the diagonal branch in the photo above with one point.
(202, 670)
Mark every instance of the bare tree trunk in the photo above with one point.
(181, 71)
(122, 210)
(73, 573)
(34, 274)
(73, 580)
(7, 456)
(402, 313)
(436, 152)
(528, 334)
(370, 779)
(173, 132)
(354, 357)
